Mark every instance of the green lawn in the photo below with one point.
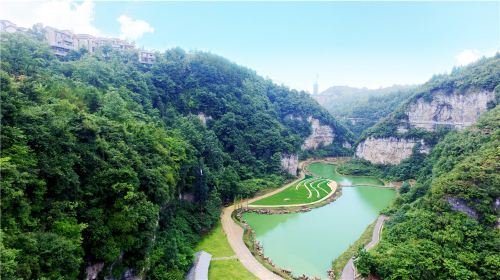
(229, 270)
(216, 244)
(328, 170)
(298, 193)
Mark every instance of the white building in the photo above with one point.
(63, 41)
(146, 57)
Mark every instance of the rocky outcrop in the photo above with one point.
(92, 271)
(290, 163)
(204, 118)
(459, 205)
(452, 110)
(321, 135)
(346, 145)
(388, 150)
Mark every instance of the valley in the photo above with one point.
(307, 243)
(124, 163)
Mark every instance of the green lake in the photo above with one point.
(328, 170)
(307, 243)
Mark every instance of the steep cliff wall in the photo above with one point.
(290, 163)
(387, 150)
(455, 110)
(321, 135)
(454, 101)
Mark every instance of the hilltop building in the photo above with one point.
(147, 57)
(63, 41)
(9, 27)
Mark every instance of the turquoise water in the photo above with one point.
(308, 242)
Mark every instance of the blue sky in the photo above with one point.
(360, 44)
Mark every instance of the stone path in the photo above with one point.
(349, 271)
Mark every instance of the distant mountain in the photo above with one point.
(361, 108)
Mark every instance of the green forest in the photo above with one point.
(446, 225)
(361, 108)
(105, 161)
(483, 75)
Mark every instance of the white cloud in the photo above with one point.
(132, 29)
(467, 56)
(63, 14)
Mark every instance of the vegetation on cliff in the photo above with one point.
(360, 109)
(446, 226)
(104, 160)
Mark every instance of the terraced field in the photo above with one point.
(308, 190)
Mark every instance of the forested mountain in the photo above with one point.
(114, 167)
(447, 225)
(361, 108)
(445, 103)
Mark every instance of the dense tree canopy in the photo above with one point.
(104, 160)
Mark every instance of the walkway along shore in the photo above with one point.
(349, 271)
(234, 232)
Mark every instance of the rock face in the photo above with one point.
(289, 163)
(321, 135)
(387, 150)
(460, 205)
(203, 118)
(452, 110)
(92, 271)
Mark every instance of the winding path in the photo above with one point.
(349, 271)
(234, 232)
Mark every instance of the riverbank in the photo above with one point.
(349, 270)
(248, 253)
(235, 232)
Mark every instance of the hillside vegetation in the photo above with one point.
(98, 150)
(361, 108)
(446, 226)
(483, 75)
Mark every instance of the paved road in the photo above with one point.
(234, 234)
(349, 271)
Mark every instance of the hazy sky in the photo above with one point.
(359, 44)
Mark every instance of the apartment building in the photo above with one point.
(60, 41)
(63, 41)
(8, 26)
(146, 57)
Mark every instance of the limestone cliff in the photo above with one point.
(290, 163)
(321, 135)
(389, 150)
(452, 110)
